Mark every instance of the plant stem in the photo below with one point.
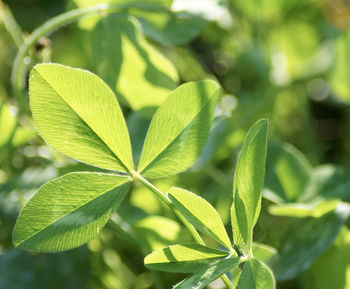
(188, 225)
(19, 65)
(227, 281)
(163, 197)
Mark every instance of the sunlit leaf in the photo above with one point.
(78, 114)
(256, 275)
(179, 129)
(185, 258)
(123, 59)
(248, 181)
(200, 213)
(208, 274)
(302, 210)
(156, 231)
(68, 211)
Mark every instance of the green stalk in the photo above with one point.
(163, 197)
(20, 62)
(187, 224)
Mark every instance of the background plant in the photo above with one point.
(264, 73)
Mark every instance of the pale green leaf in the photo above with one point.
(139, 74)
(7, 123)
(156, 232)
(185, 258)
(68, 211)
(247, 185)
(208, 274)
(256, 275)
(302, 210)
(200, 213)
(78, 114)
(308, 241)
(179, 129)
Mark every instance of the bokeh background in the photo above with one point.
(288, 61)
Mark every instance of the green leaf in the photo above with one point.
(302, 210)
(123, 59)
(256, 275)
(208, 274)
(137, 125)
(287, 171)
(68, 211)
(157, 232)
(179, 129)
(340, 74)
(248, 181)
(78, 115)
(162, 25)
(264, 253)
(40, 271)
(170, 28)
(185, 258)
(7, 123)
(332, 269)
(308, 241)
(200, 213)
(327, 182)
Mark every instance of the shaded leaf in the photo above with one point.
(264, 253)
(208, 274)
(287, 171)
(185, 258)
(179, 129)
(332, 269)
(170, 28)
(327, 182)
(200, 213)
(123, 59)
(78, 114)
(340, 74)
(21, 269)
(68, 211)
(248, 181)
(161, 25)
(309, 241)
(256, 275)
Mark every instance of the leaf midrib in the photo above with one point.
(96, 133)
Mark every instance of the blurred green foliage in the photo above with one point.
(283, 60)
